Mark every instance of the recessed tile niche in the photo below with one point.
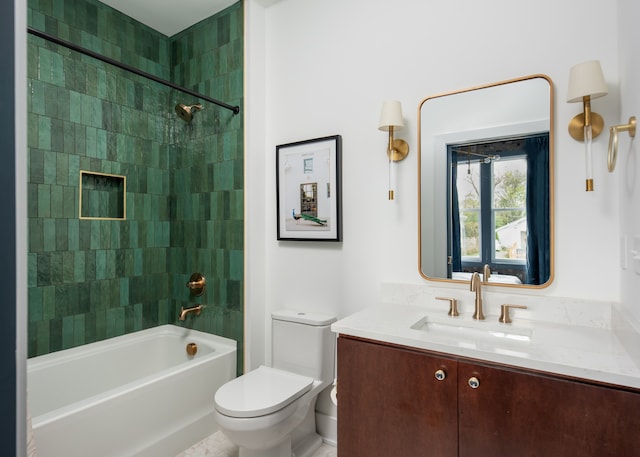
(102, 196)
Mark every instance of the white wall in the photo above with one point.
(327, 68)
(627, 171)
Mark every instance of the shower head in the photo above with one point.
(186, 111)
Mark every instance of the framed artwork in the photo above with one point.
(308, 190)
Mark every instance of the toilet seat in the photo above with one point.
(260, 392)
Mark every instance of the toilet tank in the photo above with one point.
(303, 343)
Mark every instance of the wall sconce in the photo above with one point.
(586, 82)
(612, 152)
(397, 149)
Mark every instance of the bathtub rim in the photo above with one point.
(223, 347)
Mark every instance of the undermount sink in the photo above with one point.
(459, 329)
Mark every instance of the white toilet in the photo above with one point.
(270, 411)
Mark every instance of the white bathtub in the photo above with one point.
(135, 395)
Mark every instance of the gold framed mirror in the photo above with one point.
(486, 183)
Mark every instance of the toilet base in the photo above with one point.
(307, 446)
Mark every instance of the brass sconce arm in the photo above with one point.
(397, 149)
(584, 119)
(612, 153)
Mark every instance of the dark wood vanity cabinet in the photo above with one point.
(390, 403)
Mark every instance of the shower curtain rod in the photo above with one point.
(477, 154)
(95, 55)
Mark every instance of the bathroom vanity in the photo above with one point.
(405, 392)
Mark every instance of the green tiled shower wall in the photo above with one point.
(94, 279)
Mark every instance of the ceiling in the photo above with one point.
(169, 16)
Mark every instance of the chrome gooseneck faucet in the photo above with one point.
(476, 286)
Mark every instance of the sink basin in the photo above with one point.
(464, 330)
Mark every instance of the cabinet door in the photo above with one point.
(390, 403)
(514, 413)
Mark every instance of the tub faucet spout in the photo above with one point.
(194, 309)
(476, 286)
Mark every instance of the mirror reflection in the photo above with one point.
(486, 183)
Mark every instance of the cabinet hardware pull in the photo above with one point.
(474, 382)
(440, 375)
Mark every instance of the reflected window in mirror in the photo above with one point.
(492, 190)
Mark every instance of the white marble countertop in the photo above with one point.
(580, 351)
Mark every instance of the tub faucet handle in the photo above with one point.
(197, 284)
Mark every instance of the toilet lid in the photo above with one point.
(260, 392)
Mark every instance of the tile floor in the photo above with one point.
(217, 445)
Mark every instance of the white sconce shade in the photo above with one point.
(586, 79)
(390, 116)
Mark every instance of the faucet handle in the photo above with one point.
(453, 305)
(505, 318)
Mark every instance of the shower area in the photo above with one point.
(100, 133)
